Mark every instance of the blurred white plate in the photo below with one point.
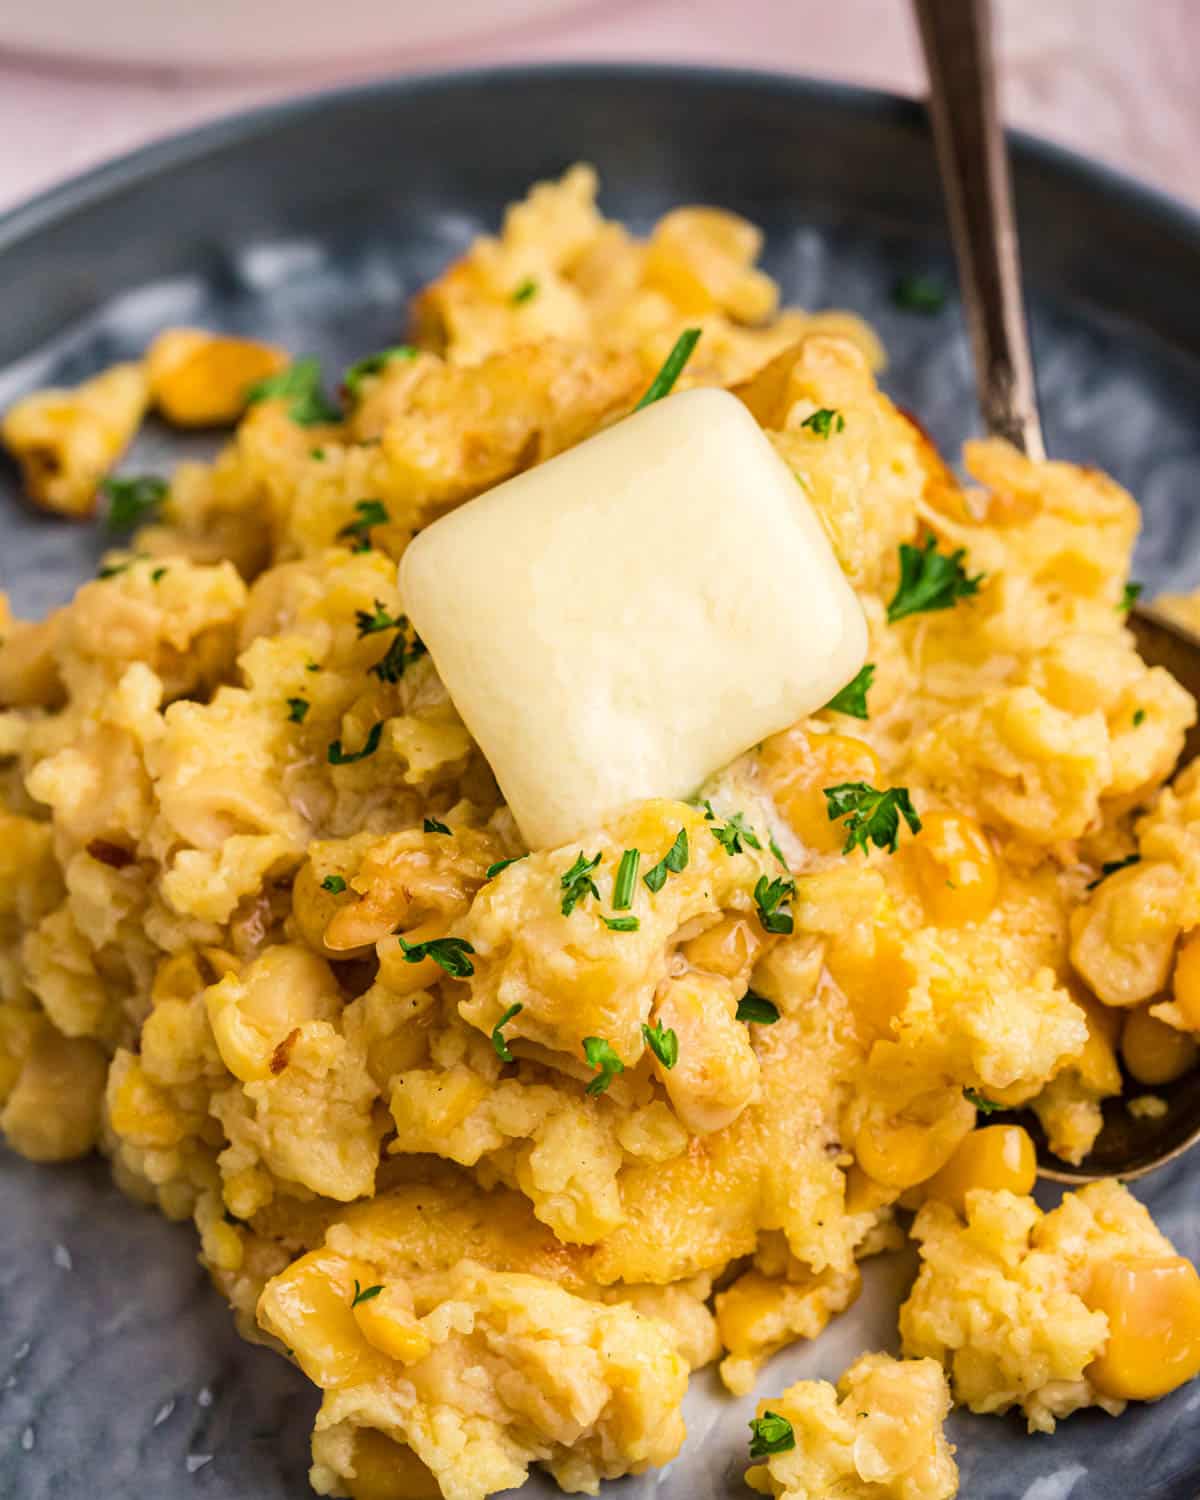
(254, 33)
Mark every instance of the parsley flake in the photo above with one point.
(370, 622)
(769, 1434)
(370, 513)
(929, 580)
(431, 825)
(501, 1046)
(672, 368)
(824, 421)
(297, 708)
(1130, 595)
(340, 757)
(158, 575)
(524, 291)
(601, 1056)
(364, 1294)
(398, 657)
(769, 897)
(984, 1105)
(131, 499)
(919, 294)
(353, 378)
(1110, 867)
(449, 952)
(776, 851)
(334, 884)
(300, 386)
(757, 1008)
(503, 864)
(732, 833)
(623, 885)
(663, 1042)
(672, 862)
(1139, 717)
(578, 883)
(871, 816)
(621, 924)
(852, 699)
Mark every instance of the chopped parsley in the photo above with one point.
(672, 862)
(623, 885)
(370, 513)
(824, 421)
(732, 833)
(919, 294)
(981, 1102)
(334, 884)
(398, 657)
(930, 580)
(578, 883)
(601, 1056)
(672, 368)
(111, 570)
(449, 952)
(312, 667)
(353, 378)
(364, 1294)
(501, 1046)
(621, 924)
(871, 816)
(769, 896)
(769, 1434)
(431, 825)
(852, 699)
(776, 851)
(300, 386)
(503, 864)
(1130, 595)
(131, 499)
(757, 1008)
(370, 622)
(158, 575)
(525, 290)
(1139, 717)
(297, 708)
(663, 1042)
(340, 757)
(318, 454)
(1110, 867)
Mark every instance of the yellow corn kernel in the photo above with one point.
(995, 1157)
(730, 948)
(1186, 986)
(66, 441)
(863, 1194)
(1153, 1308)
(139, 1111)
(703, 260)
(798, 767)
(1155, 1052)
(387, 1470)
(903, 1150)
(178, 977)
(396, 973)
(53, 1110)
(956, 869)
(314, 908)
(307, 1307)
(389, 1326)
(200, 379)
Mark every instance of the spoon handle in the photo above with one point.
(956, 36)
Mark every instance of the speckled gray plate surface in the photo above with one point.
(120, 1374)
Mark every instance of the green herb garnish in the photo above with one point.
(929, 580)
(353, 378)
(621, 924)
(431, 825)
(732, 833)
(371, 513)
(672, 862)
(449, 952)
(525, 290)
(852, 699)
(370, 622)
(158, 575)
(824, 421)
(871, 816)
(757, 1008)
(672, 368)
(1139, 717)
(365, 1294)
(297, 708)
(623, 885)
(502, 864)
(663, 1042)
(131, 499)
(1130, 595)
(1110, 867)
(768, 897)
(578, 883)
(769, 1434)
(300, 386)
(919, 294)
(601, 1056)
(498, 1041)
(334, 884)
(340, 757)
(982, 1104)
(398, 657)
(776, 851)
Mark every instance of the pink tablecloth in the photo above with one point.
(1114, 78)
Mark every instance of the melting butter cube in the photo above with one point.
(624, 619)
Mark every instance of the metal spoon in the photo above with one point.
(956, 37)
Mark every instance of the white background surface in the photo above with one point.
(1117, 79)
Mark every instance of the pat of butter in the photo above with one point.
(626, 618)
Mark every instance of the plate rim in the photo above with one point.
(179, 148)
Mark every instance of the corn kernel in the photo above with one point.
(389, 1326)
(798, 767)
(903, 1150)
(1155, 1052)
(1187, 979)
(995, 1157)
(200, 379)
(730, 948)
(308, 1308)
(956, 869)
(387, 1470)
(1153, 1308)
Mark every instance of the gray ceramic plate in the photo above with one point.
(120, 1375)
